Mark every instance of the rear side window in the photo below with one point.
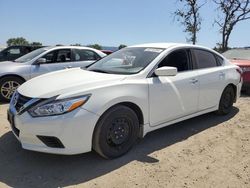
(204, 59)
(84, 55)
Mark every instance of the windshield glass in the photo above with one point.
(126, 61)
(237, 54)
(30, 55)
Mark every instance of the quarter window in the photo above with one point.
(205, 59)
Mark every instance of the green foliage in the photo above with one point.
(76, 44)
(122, 46)
(17, 41)
(36, 44)
(96, 46)
(21, 41)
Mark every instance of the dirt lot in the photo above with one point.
(207, 151)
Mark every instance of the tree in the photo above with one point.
(76, 44)
(96, 46)
(17, 41)
(36, 44)
(233, 11)
(190, 18)
(122, 46)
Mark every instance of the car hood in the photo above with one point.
(71, 81)
(241, 62)
(9, 64)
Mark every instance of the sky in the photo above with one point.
(107, 22)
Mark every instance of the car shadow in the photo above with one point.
(21, 168)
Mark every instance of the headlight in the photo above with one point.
(57, 107)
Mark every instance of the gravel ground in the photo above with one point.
(206, 151)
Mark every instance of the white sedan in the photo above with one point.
(121, 98)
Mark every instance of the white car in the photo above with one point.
(121, 98)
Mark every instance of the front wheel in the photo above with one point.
(116, 132)
(8, 85)
(226, 101)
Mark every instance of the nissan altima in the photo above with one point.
(121, 98)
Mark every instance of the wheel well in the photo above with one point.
(235, 90)
(13, 75)
(136, 109)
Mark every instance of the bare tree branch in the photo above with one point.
(233, 11)
(190, 18)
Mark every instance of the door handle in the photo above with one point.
(193, 80)
(68, 67)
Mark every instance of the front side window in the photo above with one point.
(63, 55)
(178, 59)
(204, 59)
(31, 55)
(58, 56)
(127, 60)
(84, 55)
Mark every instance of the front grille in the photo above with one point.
(51, 141)
(21, 100)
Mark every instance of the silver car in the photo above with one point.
(41, 61)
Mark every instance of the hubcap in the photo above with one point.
(8, 88)
(118, 132)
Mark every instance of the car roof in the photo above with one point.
(164, 45)
(168, 45)
(62, 47)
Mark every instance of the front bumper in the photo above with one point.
(74, 130)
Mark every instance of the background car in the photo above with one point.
(40, 61)
(122, 97)
(241, 57)
(13, 52)
(107, 51)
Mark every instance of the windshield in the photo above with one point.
(237, 54)
(30, 55)
(126, 61)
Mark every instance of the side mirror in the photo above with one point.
(166, 71)
(41, 61)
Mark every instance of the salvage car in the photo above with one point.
(41, 61)
(241, 57)
(110, 105)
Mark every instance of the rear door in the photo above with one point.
(211, 75)
(55, 60)
(172, 97)
(83, 57)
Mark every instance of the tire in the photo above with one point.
(116, 132)
(7, 87)
(226, 101)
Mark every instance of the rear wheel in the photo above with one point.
(8, 85)
(116, 132)
(226, 101)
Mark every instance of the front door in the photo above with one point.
(55, 60)
(172, 97)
